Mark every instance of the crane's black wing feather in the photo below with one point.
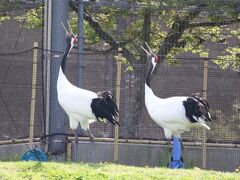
(197, 108)
(105, 107)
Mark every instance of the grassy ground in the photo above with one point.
(50, 170)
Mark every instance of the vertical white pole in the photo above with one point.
(47, 64)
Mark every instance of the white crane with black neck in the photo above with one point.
(174, 114)
(83, 106)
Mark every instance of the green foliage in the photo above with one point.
(231, 58)
(165, 19)
(5, 6)
(107, 17)
(4, 18)
(33, 18)
(36, 170)
(90, 35)
(124, 61)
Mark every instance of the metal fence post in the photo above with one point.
(118, 93)
(57, 117)
(205, 87)
(80, 43)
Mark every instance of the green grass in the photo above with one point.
(85, 171)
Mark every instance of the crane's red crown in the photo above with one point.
(156, 58)
(75, 39)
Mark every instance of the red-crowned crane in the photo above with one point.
(174, 114)
(83, 106)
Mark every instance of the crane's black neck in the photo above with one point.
(148, 77)
(63, 63)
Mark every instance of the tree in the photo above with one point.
(5, 6)
(178, 27)
(9, 6)
(171, 27)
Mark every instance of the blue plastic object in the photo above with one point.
(176, 161)
(35, 154)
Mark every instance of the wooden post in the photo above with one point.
(33, 97)
(69, 151)
(205, 87)
(118, 92)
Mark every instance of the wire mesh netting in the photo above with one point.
(16, 81)
(181, 42)
(16, 62)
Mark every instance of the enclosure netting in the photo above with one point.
(183, 78)
(16, 89)
(16, 62)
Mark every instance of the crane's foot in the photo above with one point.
(176, 164)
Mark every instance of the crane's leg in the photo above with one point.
(177, 160)
(91, 138)
(76, 145)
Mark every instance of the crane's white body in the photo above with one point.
(169, 113)
(175, 114)
(75, 102)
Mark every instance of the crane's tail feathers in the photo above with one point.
(197, 111)
(105, 107)
(91, 121)
(204, 125)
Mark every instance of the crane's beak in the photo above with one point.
(145, 51)
(150, 50)
(67, 32)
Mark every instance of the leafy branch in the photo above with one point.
(206, 24)
(103, 34)
(179, 25)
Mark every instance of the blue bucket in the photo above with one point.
(35, 154)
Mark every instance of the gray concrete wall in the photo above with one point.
(13, 152)
(221, 159)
